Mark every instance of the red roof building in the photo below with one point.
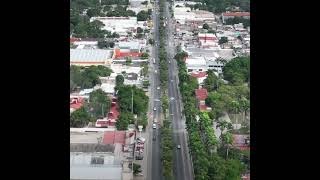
(113, 137)
(121, 54)
(76, 102)
(72, 40)
(201, 94)
(199, 74)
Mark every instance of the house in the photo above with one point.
(201, 76)
(76, 103)
(241, 141)
(89, 57)
(201, 96)
(228, 15)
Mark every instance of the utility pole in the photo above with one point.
(102, 111)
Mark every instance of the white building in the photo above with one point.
(197, 64)
(89, 57)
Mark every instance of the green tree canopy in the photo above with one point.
(237, 70)
(99, 103)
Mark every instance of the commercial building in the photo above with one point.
(89, 57)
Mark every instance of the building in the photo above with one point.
(201, 76)
(201, 95)
(120, 25)
(89, 57)
(76, 103)
(100, 155)
(241, 141)
(127, 49)
(228, 15)
(132, 79)
(197, 64)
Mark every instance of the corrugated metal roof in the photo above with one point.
(89, 55)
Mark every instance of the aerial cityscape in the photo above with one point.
(159, 90)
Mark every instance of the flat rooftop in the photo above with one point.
(90, 55)
(85, 137)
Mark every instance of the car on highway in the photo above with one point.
(178, 146)
(158, 87)
(154, 137)
(155, 71)
(169, 62)
(154, 108)
(154, 126)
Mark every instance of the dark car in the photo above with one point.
(154, 137)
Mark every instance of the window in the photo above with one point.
(189, 70)
(200, 70)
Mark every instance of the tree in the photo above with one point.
(142, 15)
(105, 44)
(128, 60)
(217, 168)
(145, 83)
(144, 56)
(99, 103)
(205, 26)
(223, 40)
(79, 118)
(125, 118)
(165, 104)
(136, 168)
(119, 80)
(139, 30)
(234, 169)
(145, 3)
(145, 70)
(151, 41)
(237, 70)
(211, 82)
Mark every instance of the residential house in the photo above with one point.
(201, 95)
(76, 102)
(201, 76)
(241, 141)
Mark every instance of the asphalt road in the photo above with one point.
(182, 164)
(154, 169)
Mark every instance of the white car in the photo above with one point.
(158, 87)
(155, 71)
(178, 147)
(154, 108)
(154, 126)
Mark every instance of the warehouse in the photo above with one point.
(89, 57)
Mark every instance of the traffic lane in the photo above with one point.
(178, 158)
